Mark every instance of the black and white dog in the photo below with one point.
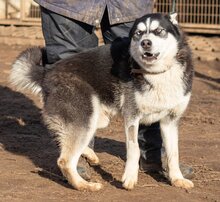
(147, 78)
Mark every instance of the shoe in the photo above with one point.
(186, 170)
(84, 169)
(83, 166)
(156, 167)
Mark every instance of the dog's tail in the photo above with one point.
(27, 71)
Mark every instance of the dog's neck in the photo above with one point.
(143, 71)
(137, 69)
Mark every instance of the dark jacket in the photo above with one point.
(91, 11)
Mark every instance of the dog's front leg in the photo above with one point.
(130, 175)
(169, 132)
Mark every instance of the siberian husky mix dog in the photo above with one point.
(147, 78)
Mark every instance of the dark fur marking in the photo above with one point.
(172, 115)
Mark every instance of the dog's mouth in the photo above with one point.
(150, 56)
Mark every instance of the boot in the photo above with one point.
(83, 166)
(84, 169)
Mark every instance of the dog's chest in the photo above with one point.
(166, 93)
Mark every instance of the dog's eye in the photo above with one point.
(139, 33)
(158, 31)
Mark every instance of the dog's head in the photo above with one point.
(154, 41)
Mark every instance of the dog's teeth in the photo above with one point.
(150, 55)
(157, 54)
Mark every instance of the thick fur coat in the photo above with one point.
(147, 78)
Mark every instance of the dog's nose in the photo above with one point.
(146, 44)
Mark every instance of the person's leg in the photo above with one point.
(150, 143)
(64, 36)
(111, 32)
(149, 137)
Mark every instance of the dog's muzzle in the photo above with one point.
(146, 45)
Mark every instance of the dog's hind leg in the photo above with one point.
(130, 175)
(74, 138)
(71, 150)
(91, 156)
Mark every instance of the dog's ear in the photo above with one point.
(173, 19)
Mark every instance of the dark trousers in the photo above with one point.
(64, 37)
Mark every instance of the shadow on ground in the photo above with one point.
(23, 133)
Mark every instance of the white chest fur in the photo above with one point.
(166, 94)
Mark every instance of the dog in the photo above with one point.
(146, 77)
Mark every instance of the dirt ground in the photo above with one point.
(28, 170)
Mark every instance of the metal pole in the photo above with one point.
(22, 11)
(6, 9)
(173, 10)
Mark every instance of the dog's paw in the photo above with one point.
(129, 180)
(89, 186)
(182, 183)
(91, 156)
(95, 186)
(94, 161)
